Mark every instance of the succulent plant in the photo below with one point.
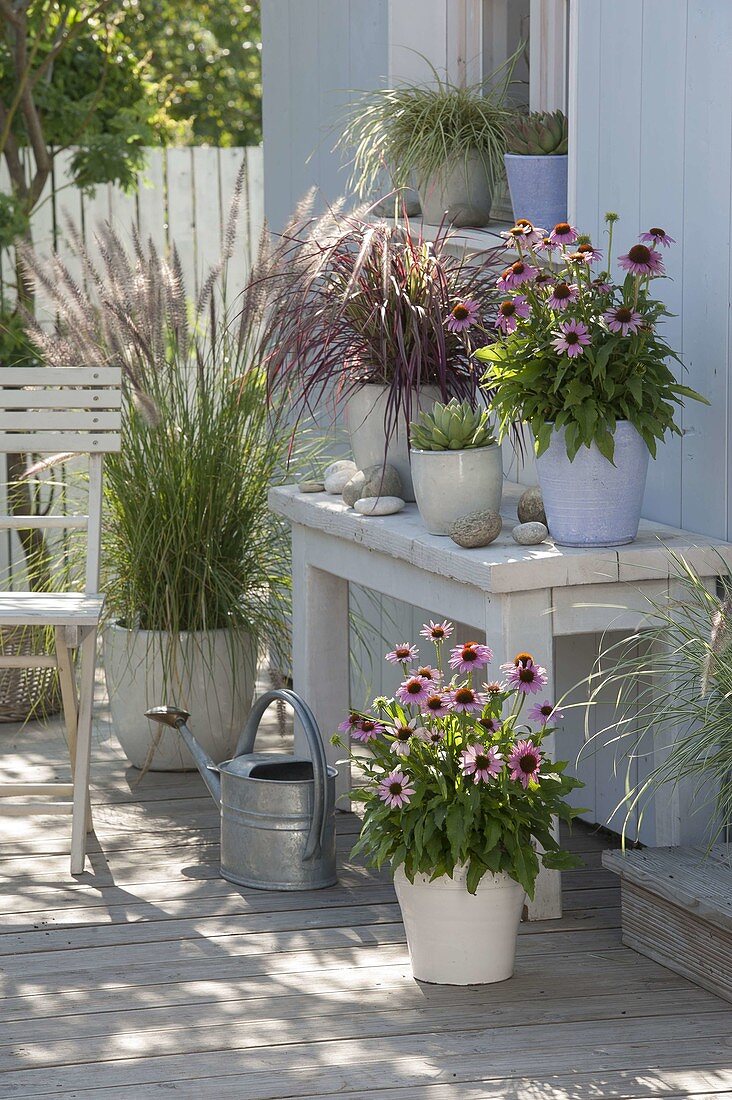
(451, 427)
(540, 133)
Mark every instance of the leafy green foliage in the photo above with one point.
(538, 133)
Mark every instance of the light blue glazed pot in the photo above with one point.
(590, 501)
(538, 187)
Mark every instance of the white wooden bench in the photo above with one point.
(677, 910)
(53, 411)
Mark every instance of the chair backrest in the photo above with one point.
(63, 410)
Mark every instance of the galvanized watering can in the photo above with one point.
(277, 811)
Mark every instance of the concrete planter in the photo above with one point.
(449, 484)
(460, 193)
(457, 938)
(211, 674)
(538, 187)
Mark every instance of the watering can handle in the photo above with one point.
(315, 747)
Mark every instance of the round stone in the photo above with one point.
(476, 529)
(379, 506)
(531, 506)
(374, 481)
(311, 486)
(529, 534)
(338, 465)
(337, 476)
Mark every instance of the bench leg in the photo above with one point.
(80, 811)
(70, 700)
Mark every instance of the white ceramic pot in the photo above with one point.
(457, 938)
(460, 193)
(365, 415)
(210, 674)
(449, 484)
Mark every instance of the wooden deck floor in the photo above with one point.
(150, 976)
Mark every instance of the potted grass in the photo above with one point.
(582, 361)
(378, 320)
(195, 567)
(459, 796)
(536, 166)
(447, 139)
(456, 465)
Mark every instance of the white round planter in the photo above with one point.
(457, 938)
(460, 193)
(365, 415)
(449, 484)
(210, 674)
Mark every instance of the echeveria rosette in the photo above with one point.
(588, 352)
(437, 784)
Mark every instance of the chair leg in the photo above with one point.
(83, 752)
(70, 699)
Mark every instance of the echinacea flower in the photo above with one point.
(490, 725)
(562, 294)
(429, 673)
(463, 315)
(524, 762)
(563, 233)
(574, 337)
(493, 688)
(546, 244)
(414, 690)
(437, 704)
(348, 725)
(526, 677)
(437, 632)
(545, 712)
(368, 729)
(510, 311)
(600, 286)
(622, 319)
(642, 260)
(515, 275)
(402, 653)
(587, 252)
(480, 762)
(394, 789)
(402, 735)
(657, 236)
(532, 233)
(464, 700)
(431, 736)
(470, 656)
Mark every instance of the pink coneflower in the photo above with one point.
(546, 244)
(464, 700)
(587, 253)
(526, 677)
(524, 762)
(623, 319)
(402, 735)
(437, 632)
(490, 725)
(657, 236)
(429, 673)
(463, 315)
(368, 729)
(394, 789)
(493, 688)
(348, 725)
(544, 713)
(563, 233)
(432, 737)
(509, 313)
(600, 286)
(574, 337)
(400, 654)
(437, 704)
(480, 762)
(515, 275)
(470, 656)
(642, 260)
(562, 294)
(532, 233)
(414, 690)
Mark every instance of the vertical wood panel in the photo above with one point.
(181, 216)
(152, 218)
(276, 110)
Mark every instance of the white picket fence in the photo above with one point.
(183, 196)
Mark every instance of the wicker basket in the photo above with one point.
(27, 692)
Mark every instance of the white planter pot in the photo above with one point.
(365, 415)
(449, 484)
(211, 675)
(457, 938)
(460, 193)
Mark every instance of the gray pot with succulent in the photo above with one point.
(456, 465)
(536, 167)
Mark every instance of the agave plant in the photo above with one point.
(452, 427)
(538, 134)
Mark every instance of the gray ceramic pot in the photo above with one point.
(449, 484)
(460, 193)
(590, 501)
(538, 187)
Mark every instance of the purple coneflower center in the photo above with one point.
(395, 788)
(414, 687)
(524, 223)
(464, 695)
(434, 702)
(482, 761)
(507, 309)
(562, 227)
(403, 733)
(561, 291)
(523, 659)
(527, 763)
(526, 674)
(518, 268)
(426, 673)
(585, 248)
(460, 312)
(623, 315)
(493, 689)
(639, 254)
(403, 653)
(546, 710)
(656, 232)
(367, 726)
(571, 338)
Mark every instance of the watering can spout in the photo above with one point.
(177, 719)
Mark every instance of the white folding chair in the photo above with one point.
(51, 411)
